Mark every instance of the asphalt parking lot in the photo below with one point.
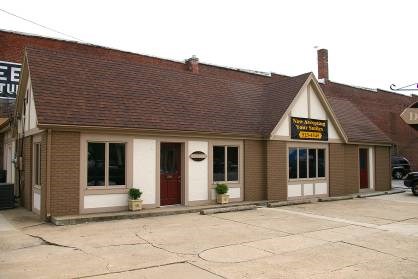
(361, 238)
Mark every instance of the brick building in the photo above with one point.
(85, 136)
(382, 107)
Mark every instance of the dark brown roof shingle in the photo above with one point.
(80, 90)
(355, 124)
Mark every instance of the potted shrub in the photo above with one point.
(221, 190)
(134, 202)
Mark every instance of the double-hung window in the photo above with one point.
(225, 163)
(306, 163)
(106, 164)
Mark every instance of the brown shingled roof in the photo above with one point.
(81, 90)
(356, 125)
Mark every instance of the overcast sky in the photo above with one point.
(370, 43)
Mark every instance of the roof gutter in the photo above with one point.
(111, 129)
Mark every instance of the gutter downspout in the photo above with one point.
(48, 175)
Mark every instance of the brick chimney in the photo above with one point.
(193, 64)
(323, 64)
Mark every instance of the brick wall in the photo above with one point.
(44, 143)
(383, 109)
(65, 173)
(383, 169)
(255, 170)
(12, 47)
(276, 170)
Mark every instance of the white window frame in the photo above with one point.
(307, 163)
(225, 146)
(106, 184)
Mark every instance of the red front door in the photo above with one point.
(170, 173)
(364, 172)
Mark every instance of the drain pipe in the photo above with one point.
(48, 175)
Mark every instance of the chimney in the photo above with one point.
(323, 64)
(193, 64)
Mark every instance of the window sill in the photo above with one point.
(225, 182)
(307, 179)
(104, 191)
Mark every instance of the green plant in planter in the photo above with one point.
(221, 188)
(134, 193)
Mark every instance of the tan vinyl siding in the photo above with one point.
(65, 173)
(255, 170)
(337, 170)
(276, 170)
(351, 169)
(343, 169)
(383, 169)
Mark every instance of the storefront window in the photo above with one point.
(232, 164)
(321, 162)
(293, 163)
(102, 156)
(225, 163)
(306, 163)
(312, 163)
(96, 164)
(218, 163)
(303, 164)
(116, 164)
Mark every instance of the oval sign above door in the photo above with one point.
(198, 156)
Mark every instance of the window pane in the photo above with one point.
(321, 162)
(116, 164)
(293, 163)
(312, 163)
(232, 165)
(37, 164)
(218, 163)
(96, 164)
(303, 163)
(38, 169)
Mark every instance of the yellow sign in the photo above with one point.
(308, 129)
(310, 135)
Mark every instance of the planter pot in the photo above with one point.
(222, 199)
(135, 205)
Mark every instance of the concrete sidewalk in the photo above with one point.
(363, 238)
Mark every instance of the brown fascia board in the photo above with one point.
(148, 131)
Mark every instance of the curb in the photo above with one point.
(227, 209)
(98, 217)
(286, 203)
(340, 198)
(375, 194)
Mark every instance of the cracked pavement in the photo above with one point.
(362, 238)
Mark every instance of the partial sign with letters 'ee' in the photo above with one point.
(9, 79)
(308, 129)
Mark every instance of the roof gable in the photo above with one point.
(309, 102)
